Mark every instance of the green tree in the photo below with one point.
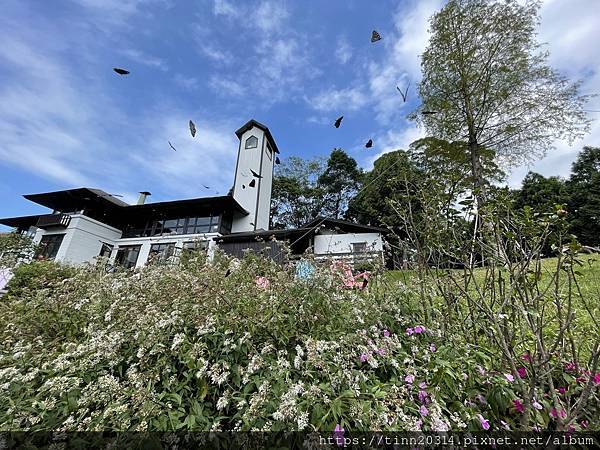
(541, 194)
(584, 202)
(487, 79)
(296, 198)
(339, 183)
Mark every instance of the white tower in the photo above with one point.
(257, 153)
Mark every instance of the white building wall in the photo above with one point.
(256, 200)
(331, 244)
(83, 239)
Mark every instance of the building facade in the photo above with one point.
(86, 223)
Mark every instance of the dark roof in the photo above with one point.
(190, 203)
(75, 198)
(253, 123)
(344, 225)
(297, 233)
(22, 222)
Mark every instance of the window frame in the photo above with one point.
(248, 147)
(355, 244)
(133, 264)
(42, 252)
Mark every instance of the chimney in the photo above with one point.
(142, 197)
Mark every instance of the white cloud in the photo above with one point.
(189, 83)
(270, 15)
(350, 99)
(224, 8)
(226, 87)
(142, 58)
(343, 50)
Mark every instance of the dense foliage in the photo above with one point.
(187, 348)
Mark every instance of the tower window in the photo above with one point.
(269, 152)
(251, 142)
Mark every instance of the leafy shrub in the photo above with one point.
(189, 348)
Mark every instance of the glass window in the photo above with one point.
(49, 246)
(359, 247)
(106, 250)
(195, 245)
(127, 256)
(252, 142)
(161, 253)
(269, 152)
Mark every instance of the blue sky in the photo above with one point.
(67, 120)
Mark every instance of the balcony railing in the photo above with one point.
(53, 220)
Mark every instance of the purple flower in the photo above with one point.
(554, 413)
(519, 406)
(526, 357)
(364, 357)
(537, 405)
(505, 425)
(380, 351)
(423, 410)
(584, 423)
(483, 421)
(597, 378)
(422, 396)
(562, 390)
(386, 333)
(422, 385)
(410, 331)
(419, 329)
(522, 372)
(432, 348)
(509, 377)
(409, 379)
(465, 376)
(338, 434)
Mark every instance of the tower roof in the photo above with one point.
(253, 123)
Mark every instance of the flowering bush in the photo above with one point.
(189, 348)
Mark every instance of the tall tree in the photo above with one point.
(487, 82)
(339, 183)
(296, 198)
(540, 193)
(584, 190)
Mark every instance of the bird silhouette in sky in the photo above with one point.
(375, 36)
(405, 93)
(172, 145)
(369, 143)
(192, 129)
(121, 71)
(277, 161)
(338, 122)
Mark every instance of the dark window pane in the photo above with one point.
(252, 142)
(203, 221)
(49, 246)
(106, 250)
(127, 256)
(161, 253)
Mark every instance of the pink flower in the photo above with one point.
(537, 405)
(419, 329)
(522, 372)
(518, 406)
(581, 379)
(410, 331)
(562, 390)
(432, 348)
(570, 366)
(262, 282)
(409, 379)
(386, 333)
(484, 422)
(423, 410)
(555, 414)
(526, 357)
(364, 357)
(338, 434)
(509, 377)
(584, 423)
(597, 378)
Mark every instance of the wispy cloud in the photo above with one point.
(349, 99)
(343, 50)
(142, 58)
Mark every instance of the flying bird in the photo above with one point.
(369, 143)
(405, 93)
(338, 122)
(255, 174)
(252, 183)
(172, 145)
(192, 129)
(277, 160)
(121, 71)
(375, 36)
(206, 187)
(427, 113)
